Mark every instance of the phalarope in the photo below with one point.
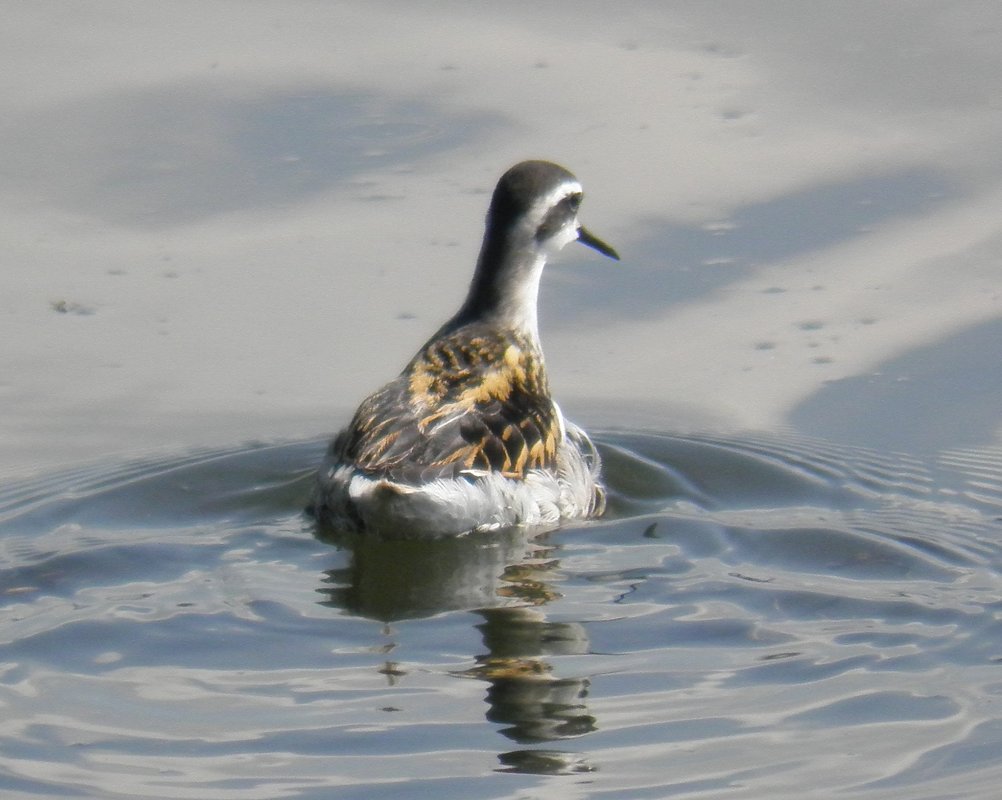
(467, 437)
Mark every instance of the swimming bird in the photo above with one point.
(467, 437)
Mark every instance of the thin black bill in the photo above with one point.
(585, 237)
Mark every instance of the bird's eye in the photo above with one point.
(574, 200)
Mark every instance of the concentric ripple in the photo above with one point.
(756, 616)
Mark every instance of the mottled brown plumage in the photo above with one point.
(472, 401)
(467, 437)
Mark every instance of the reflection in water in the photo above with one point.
(525, 695)
(544, 762)
(506, 578)
(742, 591)
(393, 579)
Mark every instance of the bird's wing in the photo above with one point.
(460, 407)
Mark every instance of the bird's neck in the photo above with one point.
(505, 288)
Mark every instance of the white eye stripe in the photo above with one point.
(553, 197)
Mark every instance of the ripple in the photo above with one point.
(170, 490)
(750, 603)
(981, 473)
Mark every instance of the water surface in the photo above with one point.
(754, 615)
(226, 223)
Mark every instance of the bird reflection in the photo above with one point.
(507, 578)
(524, 694)
(391, 579)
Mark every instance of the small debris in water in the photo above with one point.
(67, 307)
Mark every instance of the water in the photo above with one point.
(231, 223)
(756, 616)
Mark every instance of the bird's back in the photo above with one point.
(467, 436)
(471, 401)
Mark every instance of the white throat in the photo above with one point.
(523, 311)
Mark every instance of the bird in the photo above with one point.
(467, 438)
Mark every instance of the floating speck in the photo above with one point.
(811, 325)
(68, 307)
(774, 290)
(720, 49)
(765, 345)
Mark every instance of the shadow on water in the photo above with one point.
(683, 262)
(943, 395)
(735, 579)
(175, 154)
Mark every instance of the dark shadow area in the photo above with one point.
(177, 154)
(940, 396)
(680, 263)
(411, 578)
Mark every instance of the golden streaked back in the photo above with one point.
(473, 400)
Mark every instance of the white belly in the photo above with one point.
(348, 499)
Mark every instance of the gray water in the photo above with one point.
(227, 222)
(755, 616)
